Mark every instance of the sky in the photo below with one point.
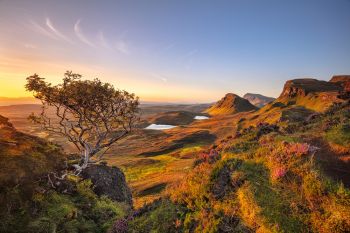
(174, 50)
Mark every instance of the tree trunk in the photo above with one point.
(86, 154)
(86, 157)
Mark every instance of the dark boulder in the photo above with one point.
(108, 181)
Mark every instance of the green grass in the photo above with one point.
(339, 135)
(139, 172)
(272, 210)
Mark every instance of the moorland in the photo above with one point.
(269, 165)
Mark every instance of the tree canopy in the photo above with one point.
(89, 113)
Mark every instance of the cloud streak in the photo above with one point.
(189, 58)
(122, 47)
(103, 41)
(81, 36)
(160, 77)
(56, 32)
(42, 30)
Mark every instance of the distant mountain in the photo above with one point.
(258, 100)
(4, 101)
(20, 111)
(230, 104)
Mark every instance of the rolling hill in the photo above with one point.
(230, 104)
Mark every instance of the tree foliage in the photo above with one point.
(89, 113)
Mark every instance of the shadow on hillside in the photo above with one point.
(201, 137)
(333, 164)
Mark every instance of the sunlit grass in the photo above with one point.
(139, 172)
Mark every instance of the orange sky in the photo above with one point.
(13, 79)
(174, 51)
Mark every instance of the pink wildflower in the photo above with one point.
(278, 173)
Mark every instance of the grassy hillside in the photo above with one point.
(230, 104)
(283, 168)
(29, 203)
(268, 179)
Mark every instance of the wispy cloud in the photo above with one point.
(81, 36)
(189, 58)
(56, 31)
(103, 40)
(166, 48)
(160, 77)
(36, 27)
(122, 47)
(190, 54)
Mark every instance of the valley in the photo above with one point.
(300, 135)
(151, 159)
(174, 116)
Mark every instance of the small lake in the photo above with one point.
(160, 127)
(201, 117)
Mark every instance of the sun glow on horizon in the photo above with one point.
(157, 56)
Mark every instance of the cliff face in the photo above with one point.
(314, 94)
(303, 87)
(258, 100)
(230, 104)
(302, 98)
(343, 80)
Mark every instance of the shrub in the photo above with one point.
(278, 173)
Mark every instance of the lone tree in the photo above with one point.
(90, 114)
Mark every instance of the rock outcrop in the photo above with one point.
(314, 94)
(109, 181)
(304, 98)
(230, 104)
(344, 81)
(258, 100)
(303, 87)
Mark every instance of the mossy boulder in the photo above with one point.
(109, 181)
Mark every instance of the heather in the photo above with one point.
(268, 181)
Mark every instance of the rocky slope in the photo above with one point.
(302, 98)
(230, 104)
(258, 100)
(24, 157)
(281, 177)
